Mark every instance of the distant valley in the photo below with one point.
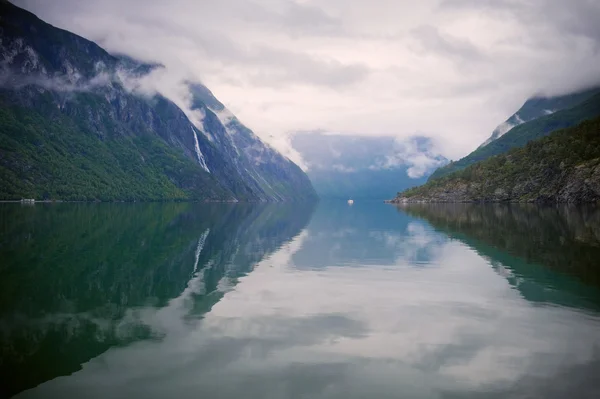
(363, 167)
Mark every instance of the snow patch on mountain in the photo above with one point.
(504, 128)
(500, 131)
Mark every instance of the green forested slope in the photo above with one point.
(522, 134)
(56, 158)
(562, 167)
(75, 125)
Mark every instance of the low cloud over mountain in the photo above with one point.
(355, 67)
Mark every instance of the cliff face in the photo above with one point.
(74, 125)
(261, 167)
(563, 167)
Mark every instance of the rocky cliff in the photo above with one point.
(75, 125)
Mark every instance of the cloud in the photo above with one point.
(432, 41)
(416, 153)
(319, 151)
(454, 69)
(578, 18)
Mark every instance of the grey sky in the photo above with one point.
(451, 70)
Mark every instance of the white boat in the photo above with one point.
(350, 202)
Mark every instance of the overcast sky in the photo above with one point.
(451, 70)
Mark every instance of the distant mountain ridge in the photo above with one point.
(561, 167)
(262, 168)
(73, 127)
(362, 167)
(537, 107)
(587, 107)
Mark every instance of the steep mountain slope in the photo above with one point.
(359, 167)
(74, 127)
(537, 107)
(563, 167)
(262, 168)
(522, 134)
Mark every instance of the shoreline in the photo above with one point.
(538, 202)
(147, 202)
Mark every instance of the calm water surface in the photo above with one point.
(299, 301)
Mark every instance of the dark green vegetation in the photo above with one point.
(561, 238)
(60, 158)
(562, 167)
(538, 107)
(522, 134)
(78, 279)
(72, 128)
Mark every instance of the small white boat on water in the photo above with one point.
(350, 202)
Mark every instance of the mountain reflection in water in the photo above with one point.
(78, 279)
(286, 301)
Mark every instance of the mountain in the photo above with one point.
(537, 107)
(75, 125)
(261, 167)
(577, 108)
(360, 167)
(562, 167)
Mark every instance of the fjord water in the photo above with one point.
(299, 301)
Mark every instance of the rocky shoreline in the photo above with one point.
(574, 185)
